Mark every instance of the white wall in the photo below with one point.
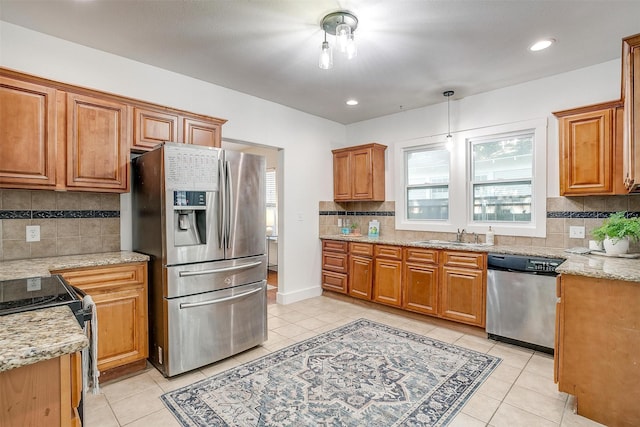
(532, 100)
(306, 140)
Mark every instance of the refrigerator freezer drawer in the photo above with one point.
(193, 279)
(211, 326)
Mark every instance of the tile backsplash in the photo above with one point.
(70, 223)
(562, 213)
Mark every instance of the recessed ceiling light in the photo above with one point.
(541, 44)
(352, 102)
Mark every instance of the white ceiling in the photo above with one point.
(409, 51)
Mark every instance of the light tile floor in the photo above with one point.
(520, 392)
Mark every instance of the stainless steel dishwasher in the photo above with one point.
(521, 300)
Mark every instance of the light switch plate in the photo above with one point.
(33, 233)
(576, 232)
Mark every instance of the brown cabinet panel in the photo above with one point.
(462, 295)
(97, 143)
(358, 173)
(334, 281)
(151, 128)
(120, 295)
(387, 251)
(429, 256)
(360, 276)
(631, 97)
(387, 288)
(364, 249)
(28, 135)
(335, 261)
(464, 259)
(200, 132)
(421, 283)
(335, 246)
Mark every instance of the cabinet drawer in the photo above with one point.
(464, 259)
(335, 262)
(106, 278)
(335, 246)
(334, 281)
(364, 249)
(385, 251)
(427, 256)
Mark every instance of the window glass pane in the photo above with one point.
(272, 195)
(505, 158)
(502, 201)
(428, 202)
(427, 166)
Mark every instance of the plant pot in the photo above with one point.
(616, 246)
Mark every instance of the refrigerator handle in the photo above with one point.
(218, 301)
(219, 270)
(228, 202)
(221, 220)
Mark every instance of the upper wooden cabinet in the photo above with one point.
(98, 139)
(358, 173)
(154, 126)
(631, 97)
(591, 150)
(27, 134)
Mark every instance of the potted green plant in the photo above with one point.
(616, 232)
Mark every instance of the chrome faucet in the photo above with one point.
(459, 235)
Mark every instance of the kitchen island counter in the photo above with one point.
(596, 266)
(34, 336)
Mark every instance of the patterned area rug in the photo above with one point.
(361, 374)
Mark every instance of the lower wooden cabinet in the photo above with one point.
(387, 276)
(44, 394)
(597, 340)
(421, 280)
(120, 295)
(360, 270)
(335, 266)
(463, 287)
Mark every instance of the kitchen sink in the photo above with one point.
(449, 243)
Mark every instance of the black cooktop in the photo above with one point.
(34, 293)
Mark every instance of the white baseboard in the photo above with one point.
(291, 297)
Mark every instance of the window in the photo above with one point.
(501, 178)
(493, 176)
(427, 177)
(272, 203)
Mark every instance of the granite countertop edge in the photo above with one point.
(42, 267)
(34, 336)
(594, 266)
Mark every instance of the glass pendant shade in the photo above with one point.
(343, 31)
(326, 56)
(352, 49)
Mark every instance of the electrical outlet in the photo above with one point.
(576, 232)
(33, 233)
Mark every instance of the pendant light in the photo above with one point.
(326, 56)
(341, 24)
(449, 138)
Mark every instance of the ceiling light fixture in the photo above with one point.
(541, 45)
(449, 138)
(352, 102)
(341, 24)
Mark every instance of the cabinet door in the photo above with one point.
(361, 174)
(333, 281)
(388, 282)
(462, 295)
(97, 144)
(586, 144)
(341, 176)
(120, 295)
(151, 128)
(200, 132)
(27, 134)
(421, 288)
(360, 277)
(631, 96)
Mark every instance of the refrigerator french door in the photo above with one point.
(199, 213)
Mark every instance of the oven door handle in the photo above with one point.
(217, 301)
(219, 270)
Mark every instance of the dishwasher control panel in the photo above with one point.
(534, 264)
(523, 263)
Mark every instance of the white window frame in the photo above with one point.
(460, 207)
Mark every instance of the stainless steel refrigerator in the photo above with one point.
(199, 213)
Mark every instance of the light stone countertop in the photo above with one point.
(596, 266)
(34, 336)
(42, 267)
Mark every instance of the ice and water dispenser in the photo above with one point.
(190, 217)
